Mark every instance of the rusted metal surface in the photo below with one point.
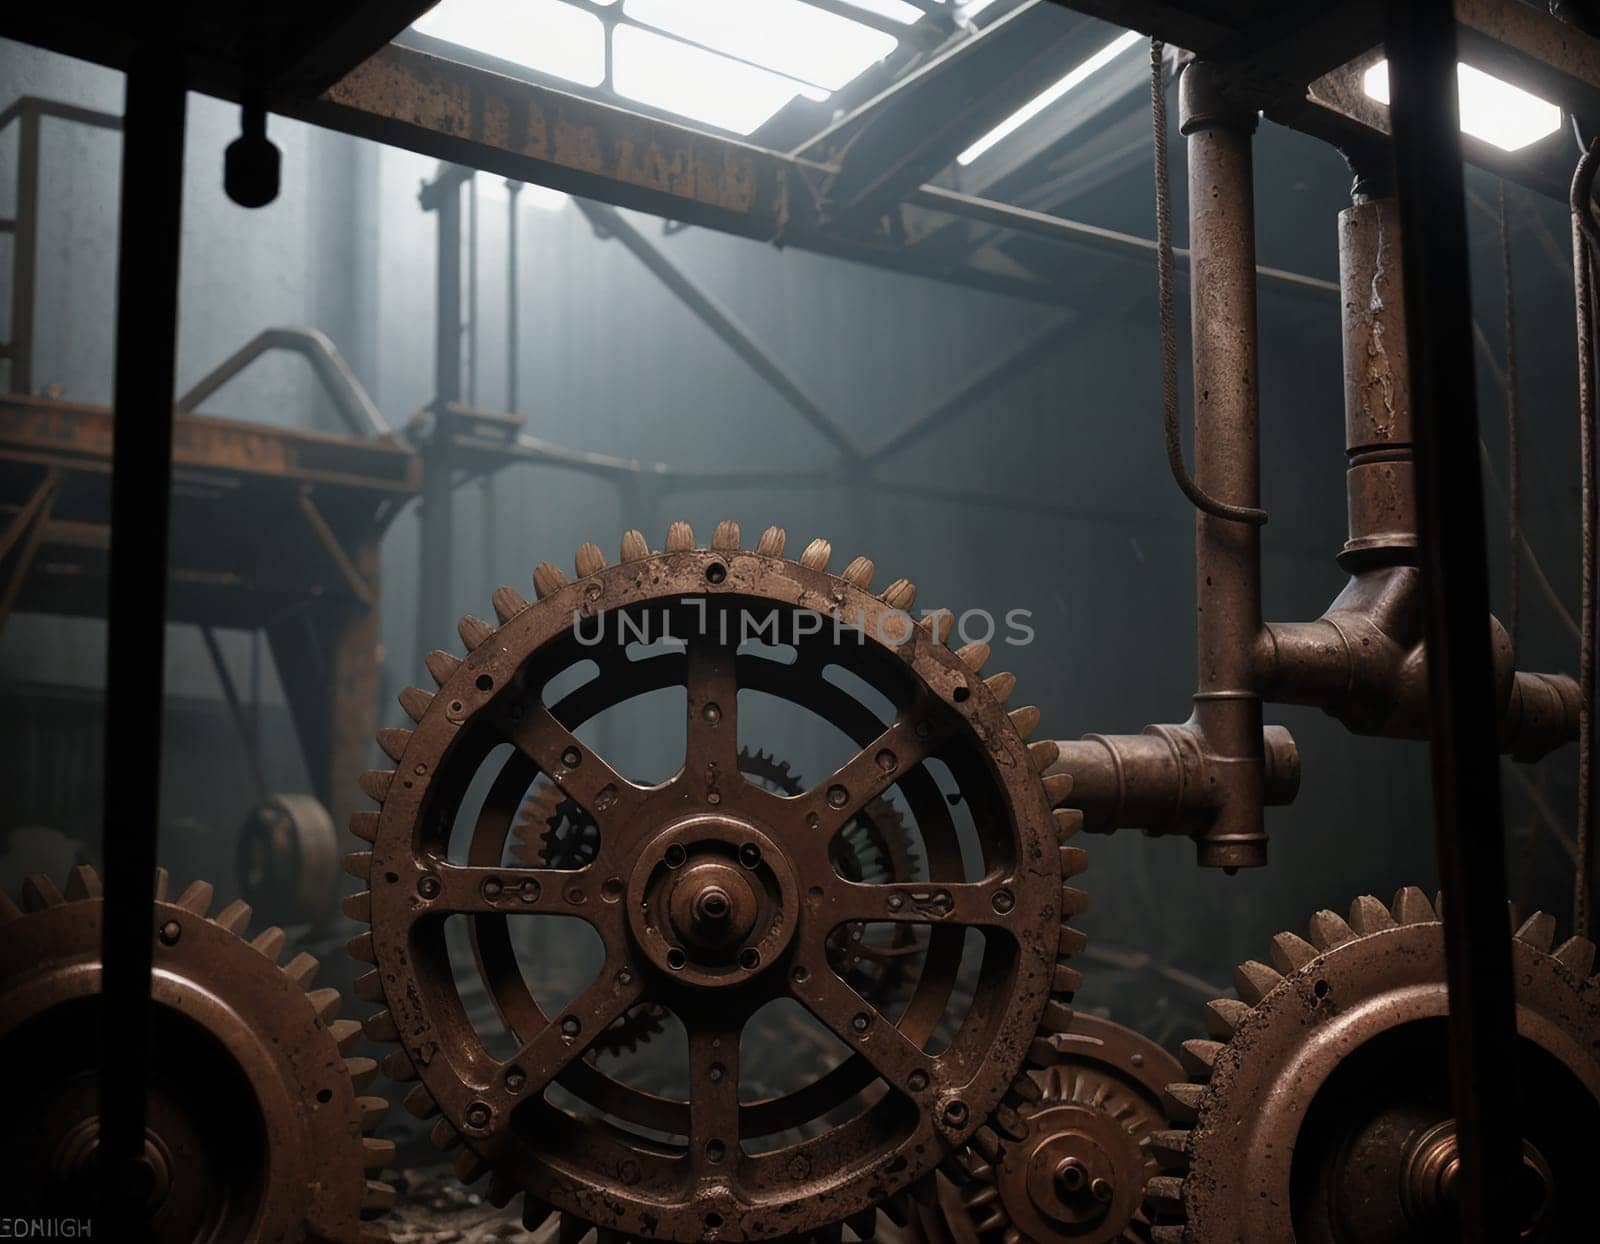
(1074, 1163)
(256, 1127)
(712, 896)
(1318, 1109)
(288, 853)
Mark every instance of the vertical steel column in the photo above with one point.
(25, 249)
(513, 297)
(149, 235)
(1227, 451)
(1421, 44)
(442, 196)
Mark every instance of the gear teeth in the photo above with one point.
(1368, 915)
(444, 1136)
(548, 578)
(1255, 980)
(441, 665)
(473, 630)
(1328, 930)
(1223, 1017)
(361, 948)
(1074, 860)
(1169, 1235)
(83, 883)
(1043, 754)
(375, 1153)
(680, 537)
(859, 572)
(364, 825)
(1170, 1147)
(1183, 1102)
(397, 1066)
(975, 657)
(420, 1104)
(1538, 931)
(1164, 1193)
(1576, 954)
(725, 538)
(345, 1033)
(1200, 1056)
(508, 603)
(196, 898)
(393, 741)
(1026, 1088)
(1069, 821)
(900, 595)
(302, 969)
(369, 987)
(371, 1110)
(415, 701)
(358, 906)
(1026, 720)
(377, 1197)
(502, 1188)
(359, 864)
(634, 546)
(270, 942)
(40, 892)
(772, 542)
(588, 559)
(380, 1026)
(817, 554)
(325, 1002)
(1066, 980)
(571, 1230)
(375, 783)
(1071, 942)
(1057, 786)
(363, 1072)
(864, 1224)
(9, 911)
(1291, 952)
(1057, 1015)
(1001, 685)
(1074, 902)
(938, 625)
(163, 880)
(235, 917)
(1411, 906)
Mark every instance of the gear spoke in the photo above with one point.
(714, 1097)
(836, 800)
(573, 766)
(988, 903)
(569, 1034)
(859, 1024)
(520, 891)
(711, 749)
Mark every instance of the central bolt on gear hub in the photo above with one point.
(711, 895)
(1321, 1112)
(255, 1131)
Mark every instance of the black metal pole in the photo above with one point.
(149, 235)
(1421, 45)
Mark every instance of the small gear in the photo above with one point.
(255, 1126)
(712, 896)
(1319, 1111)
(1071, 1164)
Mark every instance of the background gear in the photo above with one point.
(255, 1128)
(710, 898)
(1320, 1111)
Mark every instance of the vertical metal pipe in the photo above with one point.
(1227, 458)
(149, 236)
(513, 299)
(25, 249)
(438, 500)
(1421, 44)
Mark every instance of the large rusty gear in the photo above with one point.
(256, 1127)
(711, 896)
(1319, 1112)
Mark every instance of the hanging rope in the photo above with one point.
(1201, 499)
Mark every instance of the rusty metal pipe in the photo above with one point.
(1227, 705)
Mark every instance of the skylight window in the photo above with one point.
(894, 10)
(1503, 115)
(698, 84)
(789, 37)
(1040, 102)
(547, 36)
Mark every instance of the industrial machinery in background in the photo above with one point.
(743, 1004)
